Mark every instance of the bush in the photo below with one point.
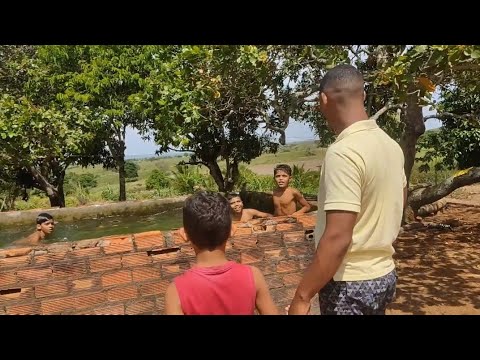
(157, 180)
(131, 170)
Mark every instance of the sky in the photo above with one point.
(296, 131)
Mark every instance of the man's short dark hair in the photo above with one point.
(207, 219)
(283, 167)
(43, 217)
(344, 79)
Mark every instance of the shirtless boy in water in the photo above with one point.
(285, 198)
(241, 214)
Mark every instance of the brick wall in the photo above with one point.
(129, 274)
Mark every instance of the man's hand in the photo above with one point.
(299, 307)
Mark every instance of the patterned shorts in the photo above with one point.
(366, 297)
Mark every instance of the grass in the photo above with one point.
(292, 154)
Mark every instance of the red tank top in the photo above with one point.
(228, 289)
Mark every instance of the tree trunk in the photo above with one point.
(55, 194)
(232, 175)
(216, 174)
(122, 196)
(428, 195)
(414, 128)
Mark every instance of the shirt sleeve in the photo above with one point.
(343, 181)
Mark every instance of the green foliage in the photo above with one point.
(131, 170)
(157, 180)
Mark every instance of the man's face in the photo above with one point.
(46, 227)
(236, 204)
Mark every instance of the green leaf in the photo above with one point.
(475, 54)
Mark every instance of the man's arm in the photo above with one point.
(264, 302)
(331, 250)
(172, 301)
(301, 200)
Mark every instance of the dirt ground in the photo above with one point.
(439, 269)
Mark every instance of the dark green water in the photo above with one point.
(95, 228)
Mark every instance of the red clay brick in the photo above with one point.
(276, 254)
(87, 252)
(187, 250)
(177, 239)
(107, 263)
(15, 252)
(160, 304)
(149, 239)
(7, 279)
(56, 306)
(15, 261)
(292, 279)
(50, 257)
(308, 221)
(287, 266)
(274, 281)
(16, 294)
(270, 240)
(229, 245)
(141, 307)
(244, 242)
(294, 237)
(290, 227)
(84, 284)
(135, 259)
(26, 309)
(56, 288)
(283, 296)
(173, 270)
(88, 243)
(117, 278)
(304, 262)
(154, 288)
(251, 256)
(110, 310)
(88, 300)
(165, 255)
(34, 273)
(117, 244)
(300, 250)
(233, 255)
(71, 268)
(122, 293)
(146, 273)
(267, 268)
(239, 231)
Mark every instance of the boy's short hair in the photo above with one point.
(283, 167)
(232, 195)
(44, 217)
(207, 219)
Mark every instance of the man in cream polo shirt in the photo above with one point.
(361, 197)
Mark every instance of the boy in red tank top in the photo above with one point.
(215, 285)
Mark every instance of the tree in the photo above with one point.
(100, 80)
(208, 104)
(38, 139)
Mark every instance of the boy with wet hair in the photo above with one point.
(285, 198)
(45, 227)
(241, 214)
(215, 285)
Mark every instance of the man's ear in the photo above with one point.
(364, 95)
(39, 227)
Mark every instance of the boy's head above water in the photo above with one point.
(207, 220)
(236, 203)
(282, 174)
(45, 223)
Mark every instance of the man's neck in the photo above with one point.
(208, 258)
(348, 118)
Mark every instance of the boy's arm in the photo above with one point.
(260, 214)
(172, 301)
(264, 302)
(305, 205)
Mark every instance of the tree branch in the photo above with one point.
(193, 163)
(385, 109)
(179, 150)
(431, 194)
(444, 115)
